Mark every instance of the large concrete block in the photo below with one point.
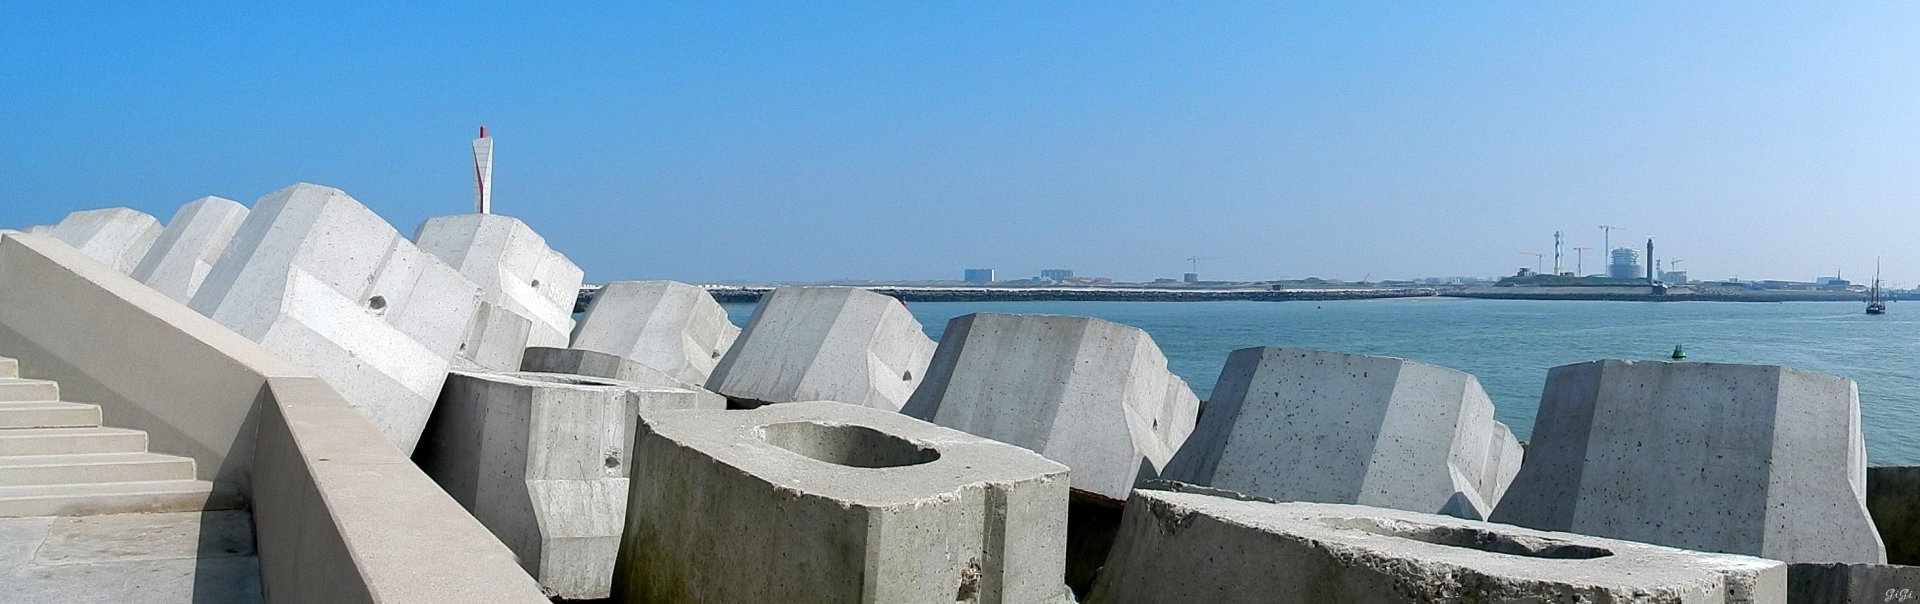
(573, 361)
(1187, 547)
(117, 237)
(828, 502)
(513, 266)
(496, 340)
(1092, 394)
(825, 343)
(185, 252)
(542, 460)
(323, 281)
(1330, 427)
(1852, 583)
(673, 327)
(1749, 459)
(1893, 498)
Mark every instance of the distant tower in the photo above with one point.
(483, 173)
(1649, 261)
(1556, 252)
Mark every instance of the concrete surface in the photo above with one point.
(573, 361)
(1331, 427)
(116, 237)
(183, 557)
(1092, 394)
(1893, 498)
(186, 250)
(321, 280)
(673, 327)
(1760, 460)
(513, 266)
(828, 502)
(496, 340)
(828, 344)
(1852, 583)
(541, 459)
(1184, 547)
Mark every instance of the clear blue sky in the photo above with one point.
(910, 140)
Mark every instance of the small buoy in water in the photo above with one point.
(1678, 353)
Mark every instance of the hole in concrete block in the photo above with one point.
(1474, 538)
(535, 283)
(857, 446)
(906, 376)
(377, 303)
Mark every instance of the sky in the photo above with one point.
(901, 141)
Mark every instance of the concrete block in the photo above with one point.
(1749, 459)
(673, 327)
(573, 361)
(1330, 427)
(1186, 547)
(1852, 583)
(186, 250)
(1092, 394)
(496, 339)
(825, 343)
(513, 266)
(1893, 498)
(117, 237)
(542, 460)
(323, 281)
(829, 502)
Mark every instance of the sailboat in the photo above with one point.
(1875, 304)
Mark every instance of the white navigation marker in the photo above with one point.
(483, 173)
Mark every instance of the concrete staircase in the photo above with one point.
(57, 460)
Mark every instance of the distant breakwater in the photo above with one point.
(1642, 296)
(743, 295)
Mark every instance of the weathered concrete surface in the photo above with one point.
(321, 280)
(573, 361)
(541, 459)
(828, 502)
(496, 340)
(670, 326)
(514, 267)
(1182, 547)
(1749, 459)
(1092, 394)
(825, 343)
(200, 557)
(1893, 498)
(116, 237)
(186, 250)
(1852, 583)
(1331, 427)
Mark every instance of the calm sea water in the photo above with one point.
(1510, 344)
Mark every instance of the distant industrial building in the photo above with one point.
(1056, 274)
(979, 275)
(1190, 277)
(1625, 264)
(1674, 277)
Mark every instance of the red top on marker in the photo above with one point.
(483, 132)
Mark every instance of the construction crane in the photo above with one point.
(1579, 261)
(1538, 258)
(1606, 238)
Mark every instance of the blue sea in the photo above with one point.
(1510, 344)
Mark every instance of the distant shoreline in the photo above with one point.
(752, 294)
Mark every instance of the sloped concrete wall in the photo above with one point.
(186, 250)
(825, 343)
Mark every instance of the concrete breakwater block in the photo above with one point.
(321, 280)
(513, 266)
(187, 249)
(1095, 395)
(670, 326)
(1183, 547)
(825, 343)
(1330, 427)
(828, 502)
(1893, 498)
(573, 361)
(496, 340)
(1761, 460)
(1852, 583)
(542, 460)
(116, 237)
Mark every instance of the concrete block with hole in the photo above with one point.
(673, 327)
(542, 460)
(573, 361)
(1190, 547)
(496, 340)
(514, 267)
(324, 282)
(825, 343)
(186, 250)
(828, 502)
(1330, 427)
(116, 237)
(1760, 460)
(1095, 395)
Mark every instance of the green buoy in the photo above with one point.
(1679, 353)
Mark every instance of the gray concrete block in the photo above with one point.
(496, 340)
(573, 361)
(187, 249)
(1330, 427)
(542, 461)
(673, 327)
(1181, 547)
(1852, 583)
(324, 282)
(1893, 498)
(116, 237)
(1092, 394)
(825, 343)
(828, 502)
(1750, 459)
(514, 267)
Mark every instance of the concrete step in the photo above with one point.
(9, 368)
(117, 498)
(48, 414)
(64, 441)
(22, 470)
(16, 389)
